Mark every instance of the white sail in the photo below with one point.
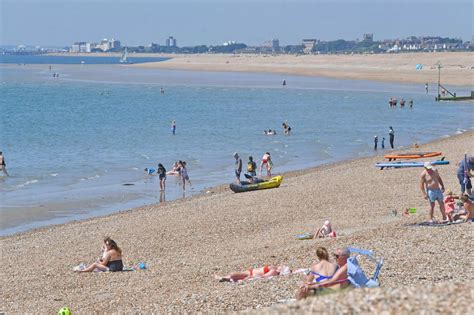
(124, 57)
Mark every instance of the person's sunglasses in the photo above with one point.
(337, 256)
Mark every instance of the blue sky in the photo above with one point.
(212, 22)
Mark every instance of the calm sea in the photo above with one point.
(72, 60)
(72, 143)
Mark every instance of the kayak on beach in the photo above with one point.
(258, 185)
(409, 164)
(412, 155)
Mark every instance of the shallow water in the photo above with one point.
(71, 143)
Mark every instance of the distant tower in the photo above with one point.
(275, 45)
(368, 37)
(171, 42)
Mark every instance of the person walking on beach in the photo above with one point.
(376, 141)
(238, 167)
(391, 134)
(173, 127)
(432, 187)
(3, 165)
(161, 171)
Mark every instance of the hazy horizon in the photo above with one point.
(211, 22)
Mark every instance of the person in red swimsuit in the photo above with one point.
(262, 272)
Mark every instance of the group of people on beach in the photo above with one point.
(251, 173)
(178, 169)
(432, 188)
(391, 136)
(392, 102)
(322, 274)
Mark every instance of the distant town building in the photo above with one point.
(81, 47)
(171, 42)
(104, 45)
(228, 43)
(368, 37)
(309, 44)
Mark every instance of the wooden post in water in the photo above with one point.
(439, 78)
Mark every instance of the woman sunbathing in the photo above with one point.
(319, 272)
(111, 259)
(262, 272)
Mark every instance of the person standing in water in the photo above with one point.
(162, 91)
(173, 127)
(426, 87)
(376, 141)
(184, 175)
(238, 167)
(162, 175)
(3, 165)
(391, 133)
(383, 143)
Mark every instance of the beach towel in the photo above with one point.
(305, 236)
(430, 223)
(139, 266)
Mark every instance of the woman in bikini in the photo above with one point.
(320, 271)
(262, 272)
(111, 259)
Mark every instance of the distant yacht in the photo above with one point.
(123, 58)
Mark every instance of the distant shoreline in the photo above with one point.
(457, 67)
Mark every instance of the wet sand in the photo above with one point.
(457, 67)
(186, 242)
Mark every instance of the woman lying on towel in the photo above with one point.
(262, 272)
(111, 259)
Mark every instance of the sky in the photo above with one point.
(213, 22)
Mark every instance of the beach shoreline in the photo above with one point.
(184, 242)
(457, 67)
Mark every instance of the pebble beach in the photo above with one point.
(184, 243)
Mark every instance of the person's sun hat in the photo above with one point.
(428, 165)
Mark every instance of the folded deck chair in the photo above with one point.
(355, 273)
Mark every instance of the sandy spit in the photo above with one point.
(186, 242)
(457, 67)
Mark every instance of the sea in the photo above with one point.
(76, 145)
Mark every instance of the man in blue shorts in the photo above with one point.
(432, 188)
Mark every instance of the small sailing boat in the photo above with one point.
(123, 58)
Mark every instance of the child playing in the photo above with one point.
(325, 231)
(449, 204)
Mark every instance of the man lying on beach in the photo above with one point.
(338, 280)
(262, 272)
(432, 187)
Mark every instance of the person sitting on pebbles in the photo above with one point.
(262, 272)
(469, 207)
(111, 259)
(320, 271)
(325, 231)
